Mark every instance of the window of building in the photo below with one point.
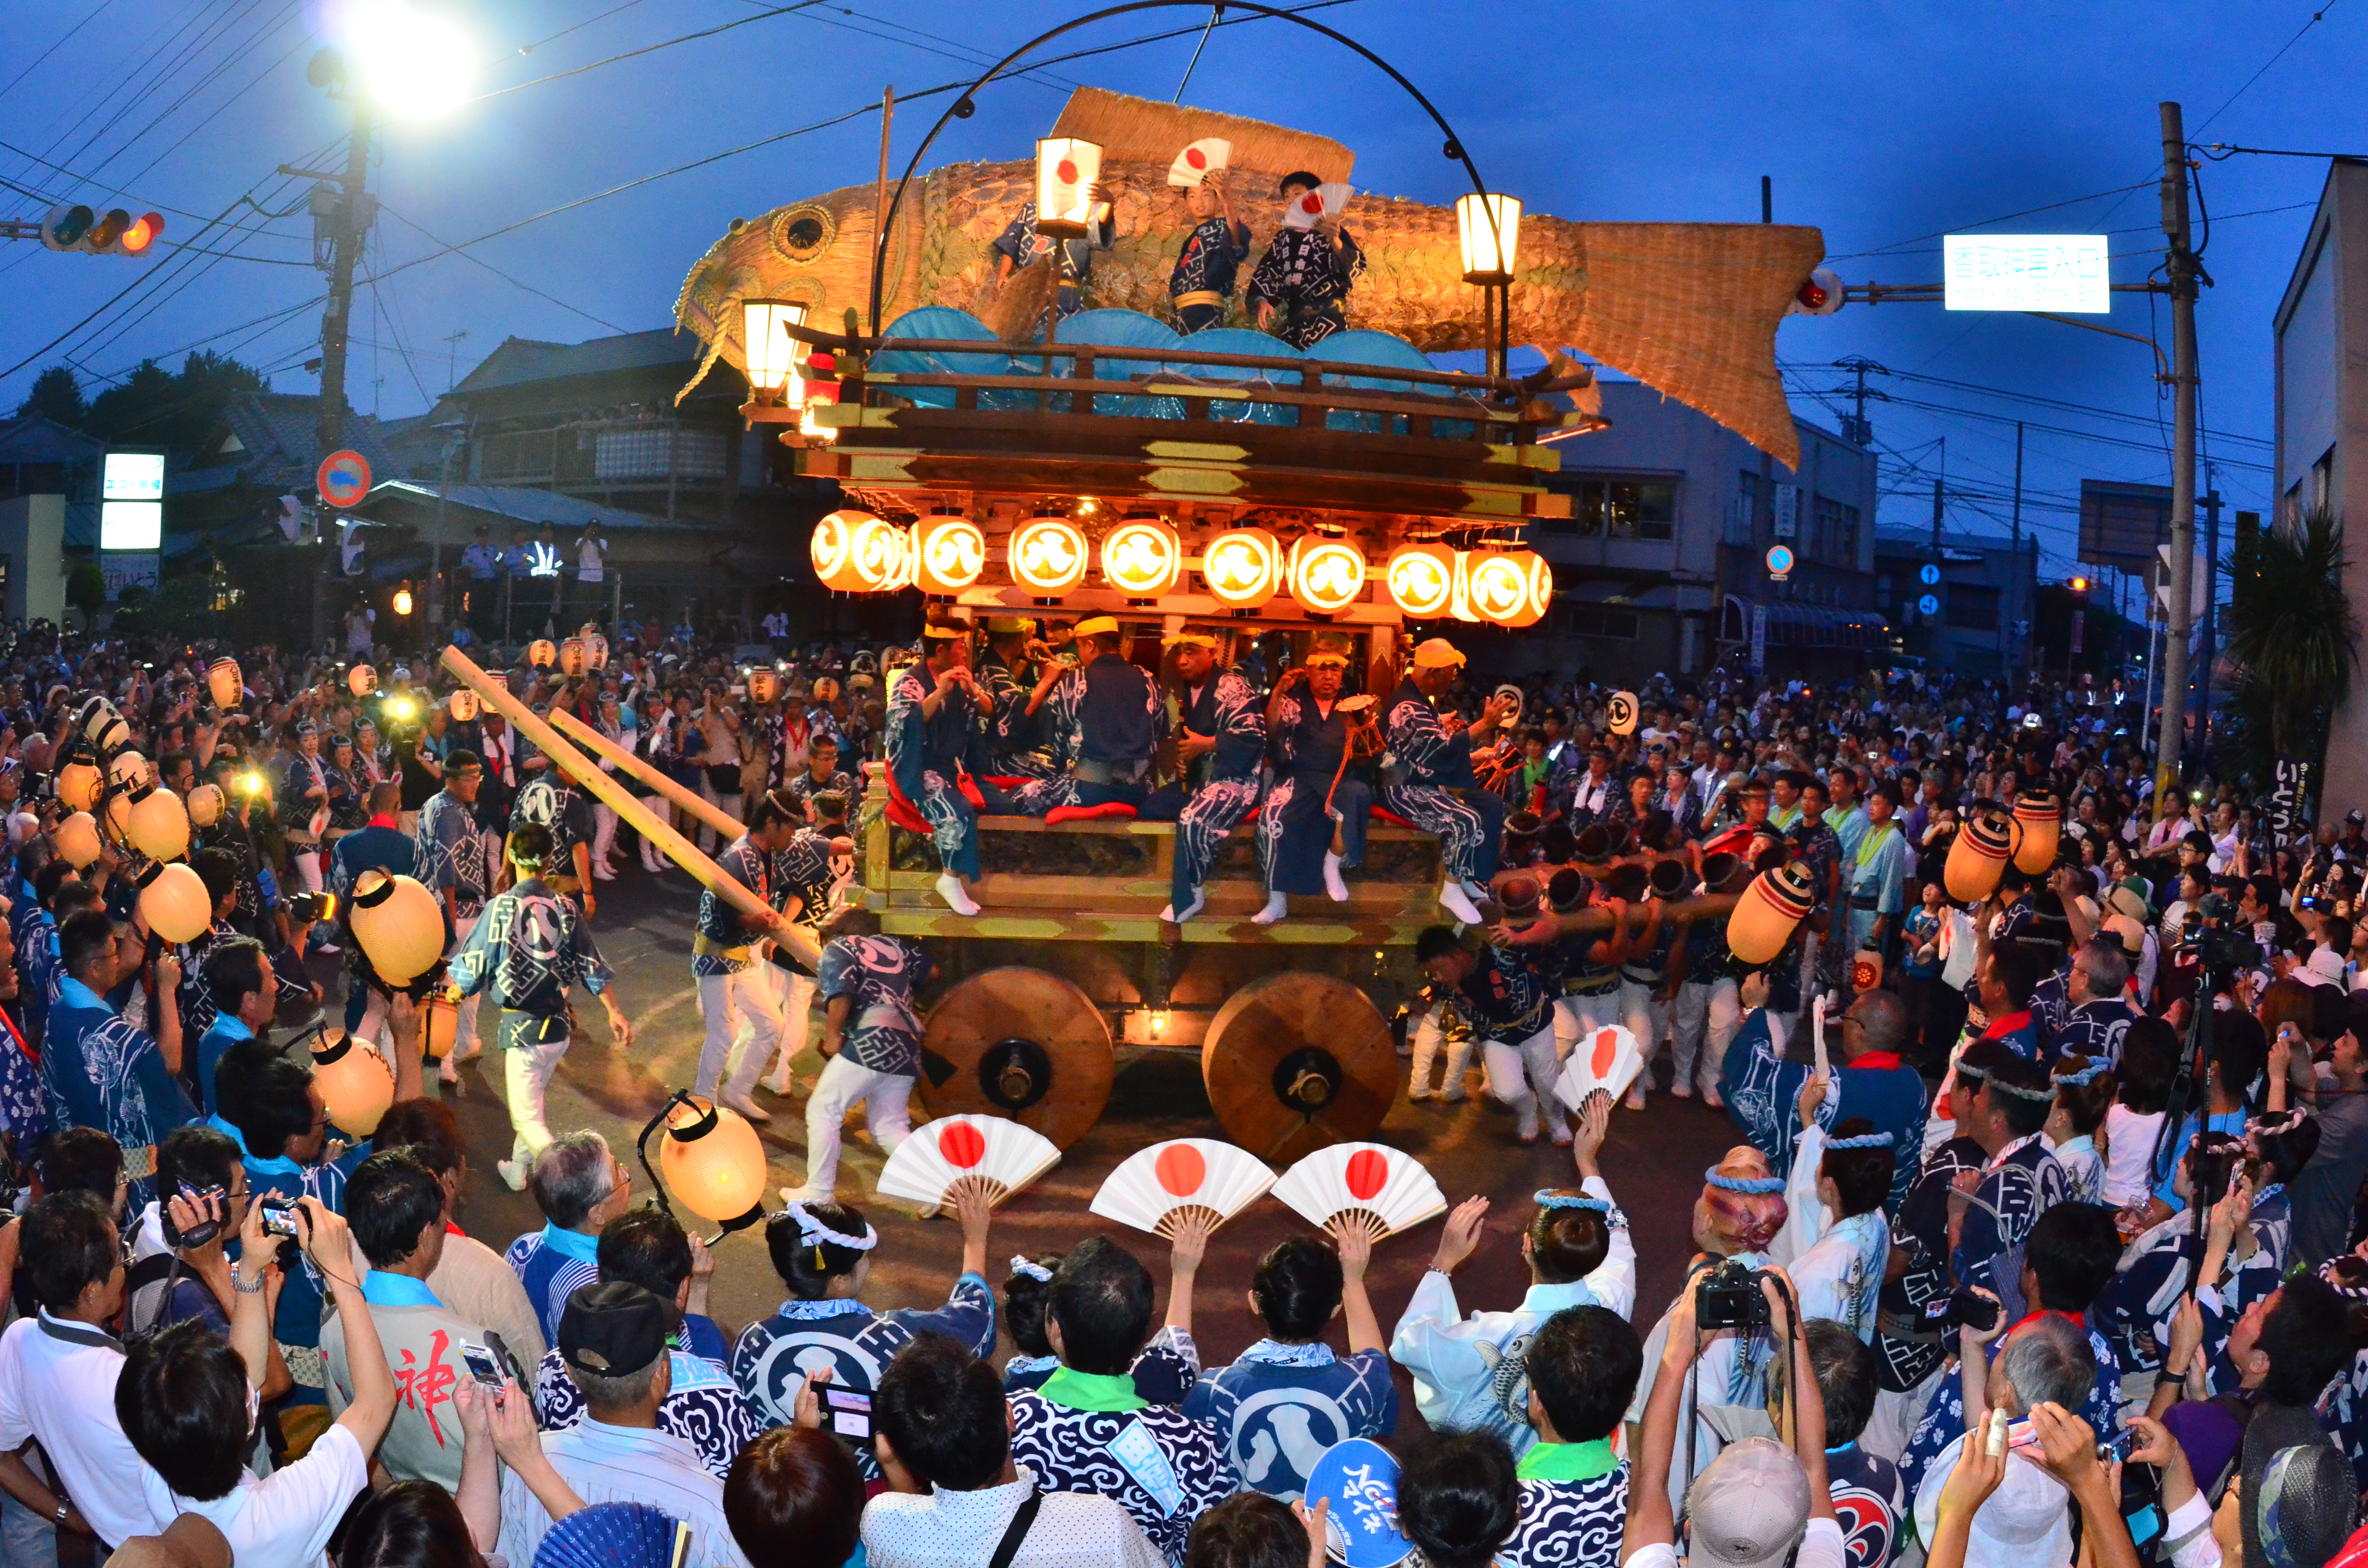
(1593, 621)
(643, 453)
(2322, 480)
(1972, 608)
(1742, 509)
(1605, 507)
(1833, 533)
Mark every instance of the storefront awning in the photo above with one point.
(1805, 626)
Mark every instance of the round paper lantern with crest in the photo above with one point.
(159, 823)
(175, 904)
(833, 550)
(399, 924)
(361, 681)
(714, 1163)
(948, 553)
(225, 683)
(764, 684)
(1326, 575)
(1141, 558)
(77, 839)
(463, 704)
(1421, 578)
(1458, 599)
(207, 802)
(80, 784)
(1047, 555)
(1509, 587)
(543, 652)
(126, 770)
(356, 1087)
(1243, 567)
(596, 649)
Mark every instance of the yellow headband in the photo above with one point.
(1437, 653)
(1008, 625)
(938, 631)
(1097, 626)
(1321, 660)
(1190, 640)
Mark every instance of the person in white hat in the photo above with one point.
(1439, 793)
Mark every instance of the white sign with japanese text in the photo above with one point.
(2027, 272)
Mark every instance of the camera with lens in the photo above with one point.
(1728, 1296)
(2221, 950)
(307, 907)
(1960, 1309)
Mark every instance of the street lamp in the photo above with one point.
(403, 599)
(411, 62)
(769, 329)
(1489, 228)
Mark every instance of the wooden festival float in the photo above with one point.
(1109, 466)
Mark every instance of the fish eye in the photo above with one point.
(801, 232)
(804, 234)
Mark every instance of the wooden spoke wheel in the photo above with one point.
(1019, 1044)
(1295, 1062)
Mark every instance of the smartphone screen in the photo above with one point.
(483, 1365)
(851, 1412)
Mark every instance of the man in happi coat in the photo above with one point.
(1201, 284)
(936, 718)
(1020, 246)
(1301, 288)
(1303, 810)
(1439, 794)
(1220, 740)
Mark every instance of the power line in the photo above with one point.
(645, 48)
(385, 211)
(1985, 222)
(2316, 17)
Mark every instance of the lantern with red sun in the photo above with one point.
(1066, 170)
(1243, 567)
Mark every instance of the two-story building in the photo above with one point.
(1969, 609)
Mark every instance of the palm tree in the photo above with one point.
(2294, 630)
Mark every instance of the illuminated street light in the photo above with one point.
(412, 64)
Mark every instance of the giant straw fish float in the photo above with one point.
(1688, 308)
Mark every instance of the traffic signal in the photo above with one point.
(70, 225)
(1821, 295)
(2080, 585)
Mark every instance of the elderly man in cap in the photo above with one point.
(1316, 803)
(1220, 740)
(936, 713)
(1439, 793)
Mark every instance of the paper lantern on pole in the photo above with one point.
(1243, 567)
(116, 818)
(764, 685)
(463, 705)
(1977, 859)
(102, 726)
(159, 823)
(77, 839)
(1066, 169)
(126, 770)
(1769, 912)
(773, 356)
(225, 683)
(175, 904)
(712, 1162)
(1326, 575)
(543, 652)
(1047, 555)
(571, 657)
(1496, 586)
(356, 1089)
(80, 784)
(1489, 229)
(207, 803)
(1141, 558)
(361, 681)
(948, 553)
(596, 650)
(2040, 819)
(400, 925)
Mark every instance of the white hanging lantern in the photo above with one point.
(1489, 247)
(774, 356)
(1066, 170)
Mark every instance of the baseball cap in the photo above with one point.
(1749, 1509)
(2355, 816)
(611, 1329)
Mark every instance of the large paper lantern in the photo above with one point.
(1327, 575)
(1536, 593)
(1421, 578)
(463, 705)
(77, 839)
(116, 818)
(1141, 558)
(714, 1163)
(80, 784)
(159, 823)
(1047, 555)
(1496, 584)
(400, 925)
(207, 803)
(1066, 169)
(948, 553)
(571, 657)
(543, 652)
(1458, 599)
(361, 681)
(905, 560)
(175, 904)
(225, 683)
(1977, 859)
(439, 1023)
(596, 650)
(878, 552)
(2040, 819)
(356, 1087)
(1243, 567)
(832, 550)
(1767, 913)
(126, 770)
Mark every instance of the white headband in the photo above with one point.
(813, 1233)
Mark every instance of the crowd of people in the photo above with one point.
(2044, 1230)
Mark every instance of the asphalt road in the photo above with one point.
(1653, 1162)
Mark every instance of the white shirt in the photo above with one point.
(589, 560)
(961, 1529)
(623, 1464)
(1821, 1547)
(62, 1391)
(285, 1519)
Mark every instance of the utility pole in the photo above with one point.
(2179, 266)
(352, 223)
(2014, 658)
(2210, 650)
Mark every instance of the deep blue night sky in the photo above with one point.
(1882, 124)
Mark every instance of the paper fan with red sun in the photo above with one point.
(1606, 1059)
(944, 1150)
(1371, 1177)
(1199, 161)
(1183, 1173)
(1326, 200)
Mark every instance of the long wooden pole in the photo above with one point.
(800, 944)
(674, 789)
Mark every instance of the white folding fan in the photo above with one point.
(1326, 200)
(1606, 1059)
(1199, 161)
(1371, 1177)
(1151, 1184)
(943, 1152)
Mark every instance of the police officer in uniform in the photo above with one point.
(1221, 737)
(1295, 834)
(1439, 793)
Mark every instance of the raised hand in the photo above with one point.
(1459, 1237)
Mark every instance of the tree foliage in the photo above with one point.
(56, 394)
(2294, 636)
(86, 591)
(156, 408)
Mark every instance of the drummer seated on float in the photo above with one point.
(936, 712)
(1439, 793)
(1016, 687)
(1121, 720)
(1313, 824)
(1220, 741)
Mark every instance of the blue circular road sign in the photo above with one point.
(1930, 604)
(1779, 559)
(1931, 575)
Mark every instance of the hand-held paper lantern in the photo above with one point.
(126, 770)
(225, 683)
(356, 1089)
(1152, 1184)
(764, 684)
(439, 1021)
(1620, 714)
(543, 652)
(207, 803)
(1141, 558)
(571, 657)
(463, 704)
(1327, 575)
(1349, 1178)
(115, 817)
(159, 823)
(400, 925)
(1047, 555)
(1767, 913)
(595, 651)
(1066, 169)
(1243, 567)
(2041, 820)
(175, 904)
(1607, 1060)
(952, 1147)
(78, 840)
(948, 553)
(361, 681)
(1977, 859)
(102, 726)
(1421, 578)
(80, 784)
(712, 1161)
